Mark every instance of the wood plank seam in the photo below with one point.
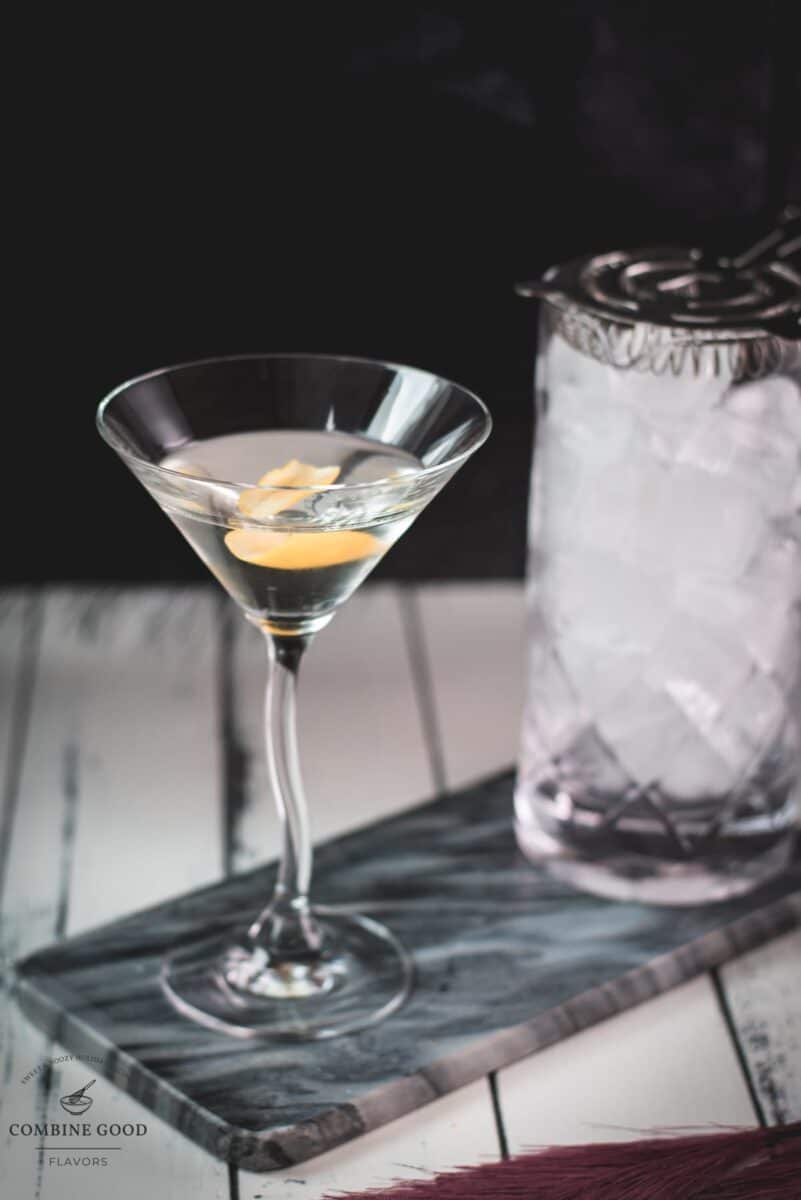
(500, 1129)
(739, 1049)
(23, 686)
(235, 757)
(419, 659)
(233, 1182)
(69, 821)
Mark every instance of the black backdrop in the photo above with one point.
(365, 180)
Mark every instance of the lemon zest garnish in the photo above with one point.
(281, 488)
(266, 501)
(302, 551)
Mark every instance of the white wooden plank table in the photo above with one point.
(132, 766)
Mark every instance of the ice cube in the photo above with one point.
(668, 405)
(696, 770)
(749, 722)
(598, 432)
(775, 570)
(772, 588)
(774, 403)
(553, 713)
(598, 673)
(606, 617)
(760, 610)
(560, 475)
(582, 407)
(718, 603)
(700, 523)
(693, 674)
(615, 512)
(760, 457)
(657, 744)
(565, 364)
(606, 601)
(699, 666)
(578, 503)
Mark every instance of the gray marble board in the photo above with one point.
(507, 962)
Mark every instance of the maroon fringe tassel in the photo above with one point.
(752, 1164)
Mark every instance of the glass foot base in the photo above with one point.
(362, 975)
(651, 880)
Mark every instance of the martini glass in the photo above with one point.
(291, 476)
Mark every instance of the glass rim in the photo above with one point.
(170, 473)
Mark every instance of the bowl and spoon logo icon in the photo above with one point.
(77, 1103)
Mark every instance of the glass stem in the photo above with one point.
(286, 929)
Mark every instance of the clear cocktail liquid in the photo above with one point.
(318, 549)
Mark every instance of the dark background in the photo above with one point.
(363, 180)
